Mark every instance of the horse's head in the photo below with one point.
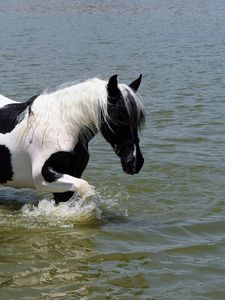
(123, 119)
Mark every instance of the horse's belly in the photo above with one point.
(21, 179)
(22, 172)
(15, 168)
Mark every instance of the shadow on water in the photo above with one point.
(14, 199)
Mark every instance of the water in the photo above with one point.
(157, 235)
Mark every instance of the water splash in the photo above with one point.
(84, 211)
(104, 206)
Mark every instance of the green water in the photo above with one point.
(159, 234)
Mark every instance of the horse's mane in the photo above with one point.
(78, 108)
(134, 106)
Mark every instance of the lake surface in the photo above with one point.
(159, 234)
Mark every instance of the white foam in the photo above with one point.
(104, 206)
(82, 212)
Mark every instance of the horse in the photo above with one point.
(44, 141)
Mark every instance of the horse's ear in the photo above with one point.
(113, 87)
(135, 84)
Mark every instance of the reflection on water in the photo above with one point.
(157, 235)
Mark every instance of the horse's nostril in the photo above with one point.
(131, 166)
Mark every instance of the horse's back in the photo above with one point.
(5, 118)
(12, 113)
(4, 101)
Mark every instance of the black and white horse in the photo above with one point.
(44, 141)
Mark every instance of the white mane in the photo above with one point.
(73, 109)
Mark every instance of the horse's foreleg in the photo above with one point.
(64, 183)
(78, 162)
(58, 174)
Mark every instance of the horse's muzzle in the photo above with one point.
(132, 164)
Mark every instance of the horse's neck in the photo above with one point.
(73, 110)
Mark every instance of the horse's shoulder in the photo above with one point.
(10, 112)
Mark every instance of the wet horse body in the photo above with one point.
(44, 141)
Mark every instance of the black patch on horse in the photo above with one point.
(6, 172)
(57, 164)
(62, 162)
(9, 114)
